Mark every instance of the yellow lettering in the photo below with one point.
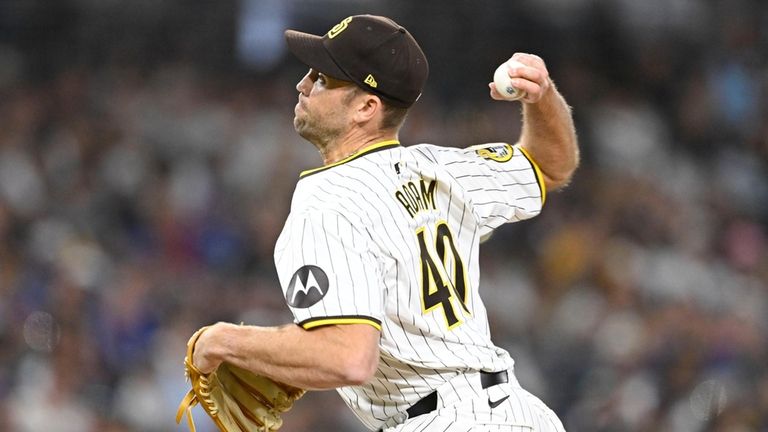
(340, 27)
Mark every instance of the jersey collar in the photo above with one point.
(383, 145)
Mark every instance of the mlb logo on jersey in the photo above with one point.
(308, 286)
(499, 152)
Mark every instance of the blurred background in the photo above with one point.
(147, 160)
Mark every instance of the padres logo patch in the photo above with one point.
(308, 286)
(495, 152)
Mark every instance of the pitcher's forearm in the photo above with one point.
(323, 358)
(549, 136)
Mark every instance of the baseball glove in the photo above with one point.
(237, 400)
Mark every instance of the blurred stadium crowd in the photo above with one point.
(147, 159)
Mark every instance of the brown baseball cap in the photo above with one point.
(372, 51)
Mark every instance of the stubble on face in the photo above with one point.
(324, 120)
(319, 128)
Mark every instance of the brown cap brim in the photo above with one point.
(309, 49)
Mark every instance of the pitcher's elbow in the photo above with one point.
(360, 368)
(563, 175)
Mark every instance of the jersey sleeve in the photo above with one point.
(327, 271)
(502, 181)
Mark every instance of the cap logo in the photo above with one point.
(340, 27)
(370, 81)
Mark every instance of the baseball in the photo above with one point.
(503, 82)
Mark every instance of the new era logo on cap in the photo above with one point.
(370, 80)
(374, 52)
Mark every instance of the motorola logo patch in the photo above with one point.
(308, 286)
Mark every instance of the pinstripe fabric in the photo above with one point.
(381, 224)
(464, 406)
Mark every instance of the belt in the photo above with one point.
(428, 403)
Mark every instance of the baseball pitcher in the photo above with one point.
(379, 257)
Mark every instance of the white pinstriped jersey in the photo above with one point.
(390, 237)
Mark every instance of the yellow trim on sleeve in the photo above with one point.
(362, 152)
(335, 321)
(539, 175)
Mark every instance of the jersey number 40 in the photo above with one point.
(438, 289)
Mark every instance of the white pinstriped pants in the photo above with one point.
(463, 406)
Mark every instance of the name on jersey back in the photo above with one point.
(417, 198)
